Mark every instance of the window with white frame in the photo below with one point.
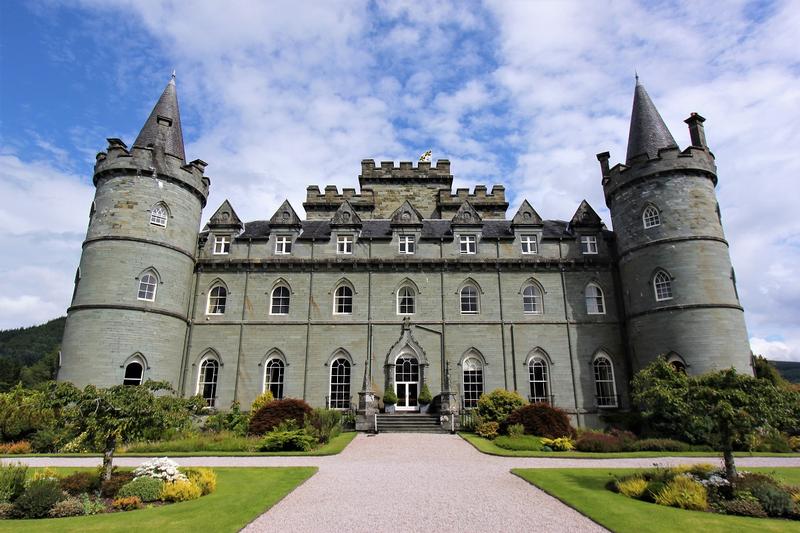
(273, 377)
(532, 299)
(538, 380)
(406, 301)
(222, 245)
(344, 244)
(473, 381)
(469, 299)
(407, 244)
(148, 283)
(650, 217)
(217, 298)
(133, 373)
(588, 244)
(595, 302)
(662, 285)
(343, 300)
(207, 381)
(279, 304)
(529, 244)
(605, 388)
(340, 384)
(283, 245)
(159, 215)
(467, 244)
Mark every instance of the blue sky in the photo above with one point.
(279, 95)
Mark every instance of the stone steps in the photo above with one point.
(409, 423)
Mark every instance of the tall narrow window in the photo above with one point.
(344, 244)
(273, 378)
(340, 384)
(469, 299)
(532, 300)
(217, 298)
(529, 244)
(605, 388)
(467, 244)
(159, 215)
(280, 301)
(406, 301)
(538, 380)
(343, 301)
(662, 285)
(283, 245)
(207, 381)
(595, 303)
(133, 373)
(651, 217)
(147, 287)
(588, 244)
(407, 244)
(222, 245)
(473, 382)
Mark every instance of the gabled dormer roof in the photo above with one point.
(163, 126)
(585, 216)
(648, 133)
(346, 216)
(466, 216)
(225, 218)
(285, 216)
(406, 215)
(526, 216)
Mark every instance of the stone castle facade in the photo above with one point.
(403, 283)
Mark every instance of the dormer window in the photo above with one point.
(283, 245)
(529, 244)
(407, 244)
(588, 244)
(344, 244)
(222, 245)
(467, 244)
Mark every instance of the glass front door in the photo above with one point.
(406, 382)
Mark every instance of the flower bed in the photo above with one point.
(45, 494)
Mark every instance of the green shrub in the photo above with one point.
(704, 469)
(592, 441)
(92, 506)
(15, 448)
(205, 478)
(685, 493)
(776, 501)
(561, 444)
(39, 497)
(287, 437)
(324, 424)
(22, 414)
(224, 441)
(276, 412)
(110, 487)
(488, 430)
(261, 400)
(632, 487)
(180, 491)
(519, 443)
(658, 445)
(770, 440)
(64, 508)
(425, 396)
(389, 396)
(12, 481)
(79, 482)
(516, 430)
(147, 489)
(743, 506)
(498, 404)
(654, 486)
(6, 510)
(127, 503)
(794, 443)
(542, 420)
(233, 420)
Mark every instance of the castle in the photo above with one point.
(403, 283)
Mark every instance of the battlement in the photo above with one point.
(321, 205)
(405, 171)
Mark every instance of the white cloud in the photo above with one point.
(776, 350)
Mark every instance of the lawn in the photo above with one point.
(584, 490)
(242, 494)
(488, 447)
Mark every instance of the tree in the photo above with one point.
(121, 413)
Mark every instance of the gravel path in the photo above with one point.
(417, 482)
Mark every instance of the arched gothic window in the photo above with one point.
(662, 285)
(595, 302)
(538, 378)
(473, 381)
(340, 384)
(651, 217)
(406, 301)
(159, 215)
(273, 377)
(207, 381)
(532, 299)
(343, 301)
(280, 300)
(134, 371)
(605, 387)
(217, 298)
(469, 300)
(148, 282)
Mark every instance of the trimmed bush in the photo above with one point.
(542, 420)
(561, 444)
(498, 404)
(488, 430)
(743, 506)
(271, 415)
(128, 503)
(15, 448)
(180, 491)
(774, 500)
(288, 437)
(389, 396)
(110, 487)
(632, 487)
(147, 489)
(12, 481)
(658, 445)
(65, 508)
(592, 441)
(39, 497)
(205, 478)
(425, 396)
(519, 443)
(80, 482)
(683, 492)
(324, 424)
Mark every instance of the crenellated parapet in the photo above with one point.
(321, 205)
(489, 204)
(406, 170)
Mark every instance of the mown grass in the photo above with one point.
(584, 490)
(488, 447)
(242, 495)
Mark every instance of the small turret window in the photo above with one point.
(651, 217)
(159, 215)
(217, 298)
(148, 283)
(595, 303)
(662, 285)
(133, 373)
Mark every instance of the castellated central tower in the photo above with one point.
(678, 285)
(129, 314)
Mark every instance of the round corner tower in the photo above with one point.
(678, 286)
(129, 314)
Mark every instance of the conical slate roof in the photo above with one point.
(648, 133)
(163, 126)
